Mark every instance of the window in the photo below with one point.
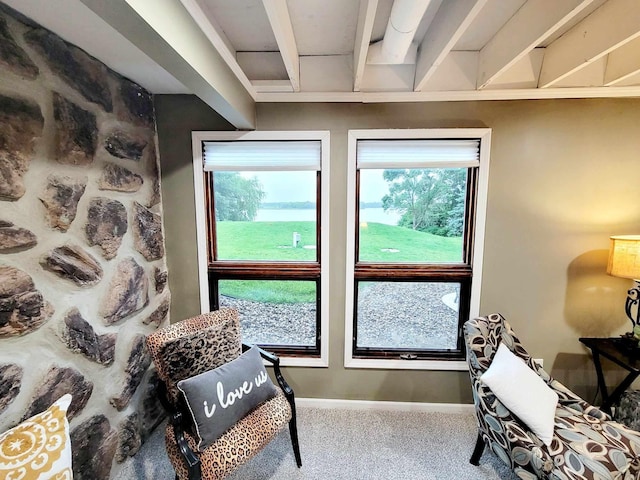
(416, 204)
(265, 201)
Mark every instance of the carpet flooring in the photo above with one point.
(347, 444)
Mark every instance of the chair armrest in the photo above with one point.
(569, 399)
(275, 362)
(525, 441)
(268, 356)
(515, 433)
(178, 422)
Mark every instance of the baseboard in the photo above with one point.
(329, 403)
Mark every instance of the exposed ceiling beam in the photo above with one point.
(363, 37)
(451, 96)
(612, 25)
(451, 21)
(280, 21)
(165, 32)
(270, 86)
(528, 27)
(218, 39)
(623, 63)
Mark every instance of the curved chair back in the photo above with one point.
(482, 337)
(194, 346)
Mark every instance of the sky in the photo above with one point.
(300, 186)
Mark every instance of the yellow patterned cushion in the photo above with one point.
(39, 448)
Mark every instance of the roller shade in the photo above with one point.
(418, 153)
(262, 155)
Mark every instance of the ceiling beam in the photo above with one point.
(218, 39)
(526, 30)
(165, 32)
(450, 22)
(364, 29)
(451, 96)
(280, 21)
(623, 63)
(612, 25)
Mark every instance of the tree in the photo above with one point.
(411, 192)
(236, 198)
(429, 200)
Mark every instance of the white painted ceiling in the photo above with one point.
(329, 50)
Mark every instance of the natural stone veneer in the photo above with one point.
(151, 410)
(138, 104)
(129, 438)
(94, 445)
(107, 224)
(13, 238)
(78, 162)
(159, 315)
(13, 57)
(119, 179)
(137, 363)
(122, 145)
(22, 308)
(73, 263)
(21, 122)
(160, 277)
(147, 232)
(60, 198)
(10, 383)
(128, 292)
(57, 382)
(80, 337)
(76, 134)
(81, 72)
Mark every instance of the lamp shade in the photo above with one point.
(624, 256)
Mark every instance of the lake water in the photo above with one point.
(372, 215)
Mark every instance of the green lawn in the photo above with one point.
(273, 241)
(265, 240)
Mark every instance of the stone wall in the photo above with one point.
(83, 275)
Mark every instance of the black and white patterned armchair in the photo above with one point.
(586, 444)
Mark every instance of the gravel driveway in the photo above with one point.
(392, 314)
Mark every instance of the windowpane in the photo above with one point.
(266, 215)
(408, 315)
(273, 312)
(412, 216)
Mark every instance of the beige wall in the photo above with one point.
(562, 179)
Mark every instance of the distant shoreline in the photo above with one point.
(306, 205)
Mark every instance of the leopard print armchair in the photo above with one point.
(194, 346)
(586, 443)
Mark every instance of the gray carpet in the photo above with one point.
(353, 445)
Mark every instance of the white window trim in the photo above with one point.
(484, 134)
(201, 234)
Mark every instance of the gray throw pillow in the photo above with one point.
(219, 398)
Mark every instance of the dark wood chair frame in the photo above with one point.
(477, 451)
(182, 423)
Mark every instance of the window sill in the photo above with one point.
(381, 364)
(303, 362)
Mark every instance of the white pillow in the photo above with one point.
(39, 448)
(523, 392)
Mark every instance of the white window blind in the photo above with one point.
(262, 155)
(418, 153)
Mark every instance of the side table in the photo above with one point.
(618, 351)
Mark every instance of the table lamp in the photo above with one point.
(624, 261)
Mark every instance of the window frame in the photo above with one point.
(322, 235)
(476, 261)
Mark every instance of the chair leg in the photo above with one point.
(293, 430)
(293, 426)
(477, 451)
